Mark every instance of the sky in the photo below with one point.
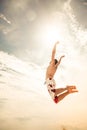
(28, 31)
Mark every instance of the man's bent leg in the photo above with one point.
(62, 96)
(60, 90)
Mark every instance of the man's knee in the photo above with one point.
(56, 99)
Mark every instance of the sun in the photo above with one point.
(50, 33)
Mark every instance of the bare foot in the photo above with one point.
(70, 87)
(70, 90)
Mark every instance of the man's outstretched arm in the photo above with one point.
(54, 51)
(60, 60)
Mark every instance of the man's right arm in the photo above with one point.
(54, 51)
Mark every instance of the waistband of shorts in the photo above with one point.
(47, 79)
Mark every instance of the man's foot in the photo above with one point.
(71, 89)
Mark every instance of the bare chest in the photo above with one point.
(51, 69)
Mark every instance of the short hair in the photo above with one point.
(56, 61)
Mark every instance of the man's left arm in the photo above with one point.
(60, 59)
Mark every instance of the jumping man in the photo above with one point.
(57, 94)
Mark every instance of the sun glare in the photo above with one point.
(50, 33)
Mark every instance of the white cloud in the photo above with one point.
(27, 97)
(5, 19)
(76, 28)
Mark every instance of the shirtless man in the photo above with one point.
(57, 94)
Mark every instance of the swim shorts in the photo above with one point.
(51, 89)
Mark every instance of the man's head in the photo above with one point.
(56, 61)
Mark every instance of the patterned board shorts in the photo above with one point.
(51, 89)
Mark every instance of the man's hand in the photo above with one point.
(62, 56)
(57, 43)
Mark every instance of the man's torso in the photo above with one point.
(51, 71)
